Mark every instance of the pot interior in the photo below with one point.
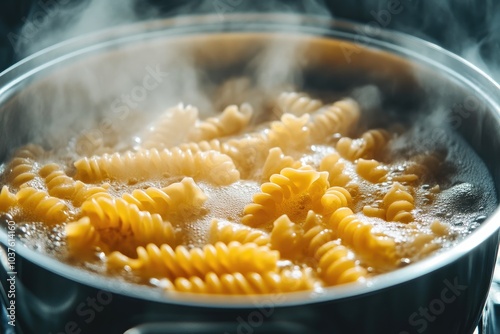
(112, 84)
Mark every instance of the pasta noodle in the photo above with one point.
(169, 128)
(368, 146)
(231, 121)
(286, 237)
(178, 198)
(371, 170)
(276, 161)
(165, 261)
(290, 133)
(123, 226)
(337, 266)
(40, 205)
(7, 199)
(235, 232)
(22, 166)
(340, 117)
(239, 202)
(358, 234)
(332, 164)
(292, 192)
(250, 283)
(398, 203)
(211, 166)
(296, 104)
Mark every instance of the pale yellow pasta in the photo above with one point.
(41, 206)
(58, 183)
(124, 227)
(62, 186)
(398, 204)
(368, 146)
(211, 166)
(245, 283)
(248, 152)
(7, 199)
(165, 261)
(229, 232)
(230, 122)
(315, 234)
(84, 192)
(339, 117)
(296, 104)
(204, 146)
(337, 264)
(238, 202)
(292, 192)
(358, 235)
(335, 198)
(290, 133)
(179, 198)
(82, 237)
(371, 170)
(22, 168)
(276, 161)
(372, 211)
(170, 128)
(286, 237)
(332, 164)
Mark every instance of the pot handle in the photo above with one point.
(274, 327)
(491, 314)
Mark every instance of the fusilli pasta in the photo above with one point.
(211, 166)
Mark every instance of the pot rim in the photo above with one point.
(403, 45)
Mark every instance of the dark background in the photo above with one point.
(456, 25)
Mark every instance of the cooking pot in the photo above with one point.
(79, 85)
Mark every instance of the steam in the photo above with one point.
(182, 80)
(468, 28)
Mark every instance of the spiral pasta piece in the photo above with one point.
(82, 238)
(296, 104)
(276, 161)
(22, 168)
(335, 198)
(339, 117)
(358, 235)
(293, 192)
(290, 133)
(58, 183)
(248, 152)
(211, 166)
(368, 146)
(169, 129)
(286, 237)
(335, 168)
(124, 227)
(337, 265)
(399, 203)
(7, 199)
(62, 186)
(371, 170)
(41, 206)
(180, 198)
(373, 211)
(164, 261)
(315, 234)
(229, 232)
(231, 121)
(246, 283)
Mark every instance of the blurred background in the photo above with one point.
(467, 27)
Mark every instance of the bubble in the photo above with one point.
(480, 219)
